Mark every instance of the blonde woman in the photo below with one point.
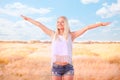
(62, 38)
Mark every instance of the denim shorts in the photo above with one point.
(58, 70)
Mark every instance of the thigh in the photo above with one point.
(68, 77)
(56, 78)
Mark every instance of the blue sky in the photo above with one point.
(80, 13)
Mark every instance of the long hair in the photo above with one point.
(66, 29)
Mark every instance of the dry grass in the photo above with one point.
(31, 61)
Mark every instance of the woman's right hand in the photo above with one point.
(24, 17)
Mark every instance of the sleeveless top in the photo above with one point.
(62, 50)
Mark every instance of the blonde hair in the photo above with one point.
(66, 29)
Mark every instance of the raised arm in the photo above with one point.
(83, 30)
(40, 25)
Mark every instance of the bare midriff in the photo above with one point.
(61, 63)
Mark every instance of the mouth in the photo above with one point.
(60, 27)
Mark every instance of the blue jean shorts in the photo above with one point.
(59, 70)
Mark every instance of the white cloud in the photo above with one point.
(5, 22)
(5, 27)
(89, 1)
(45, 19)
(18, 8)
(109, 10)
(74, 22)
(20, 30)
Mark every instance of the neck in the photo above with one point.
(61, 32)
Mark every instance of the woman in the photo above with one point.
(62, 38)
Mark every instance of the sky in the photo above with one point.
(80, 13)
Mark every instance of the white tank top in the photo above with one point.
(62, 50)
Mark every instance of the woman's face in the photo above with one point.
(60, 23)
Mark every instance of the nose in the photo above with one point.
(60, 23)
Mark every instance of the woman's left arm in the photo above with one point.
(78, 33)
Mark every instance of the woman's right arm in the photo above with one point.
(40, 25)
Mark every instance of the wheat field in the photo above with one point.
(31, 61)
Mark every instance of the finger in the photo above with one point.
(21, 15)
(108, 23)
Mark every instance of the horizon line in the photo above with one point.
(48, 41)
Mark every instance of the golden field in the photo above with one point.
(31, 61)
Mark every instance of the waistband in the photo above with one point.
(57, 65)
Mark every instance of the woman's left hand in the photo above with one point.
(105, 23)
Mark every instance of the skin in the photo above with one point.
(60, 25)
